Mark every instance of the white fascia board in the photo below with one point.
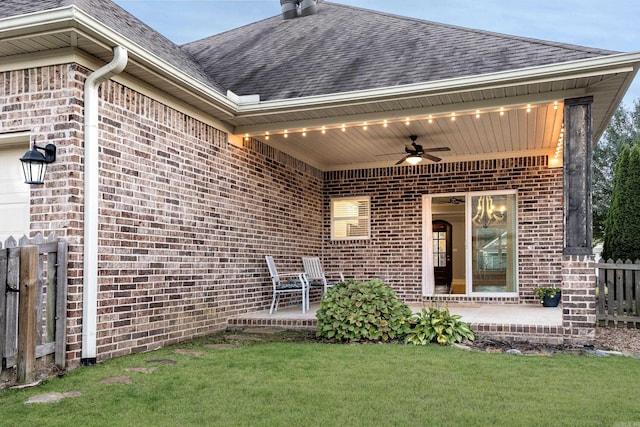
(612, 64)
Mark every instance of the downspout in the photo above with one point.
(91, 198)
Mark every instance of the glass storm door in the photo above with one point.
(493, 243)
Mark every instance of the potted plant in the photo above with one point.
(549, 296)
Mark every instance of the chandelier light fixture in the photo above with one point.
(486, 214)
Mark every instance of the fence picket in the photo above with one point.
(12, 298)
(3, 305)
(601, 290)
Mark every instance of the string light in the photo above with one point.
(559, 146)
(246, 137)
(478, 113)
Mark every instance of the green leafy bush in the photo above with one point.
(362, 311)
(439, 326)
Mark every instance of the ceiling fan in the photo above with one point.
(415, 152)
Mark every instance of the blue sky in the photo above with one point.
(612, 24)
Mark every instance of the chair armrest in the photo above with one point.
(301, 276)
(291, 274)
(337, 273)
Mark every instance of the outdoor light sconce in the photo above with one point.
(34, 163)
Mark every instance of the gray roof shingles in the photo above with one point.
(340, 49)
(344, 48)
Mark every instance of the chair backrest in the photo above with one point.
(313, 268)
(273, 271)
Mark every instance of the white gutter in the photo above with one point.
(91, 198)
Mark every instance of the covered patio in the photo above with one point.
(499, 321)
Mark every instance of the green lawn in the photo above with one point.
(306, 384)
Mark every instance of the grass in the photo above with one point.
(306, 383)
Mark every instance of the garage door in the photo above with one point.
(14, 194)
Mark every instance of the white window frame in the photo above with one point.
(358, 218)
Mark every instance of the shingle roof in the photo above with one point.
(344, 48)
(118, 19)
(339, 49)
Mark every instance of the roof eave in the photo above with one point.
(613, 64)
(73, 17)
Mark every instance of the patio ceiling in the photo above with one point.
(480, 122)
(497, 115)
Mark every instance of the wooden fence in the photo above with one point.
(618, 293)
(33, 312)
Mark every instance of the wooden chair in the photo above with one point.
(316, 276)
(287, 283)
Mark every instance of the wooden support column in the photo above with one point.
(26, 362)
(578, 271)
(578, 153)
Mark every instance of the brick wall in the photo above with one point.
(185, 222)
(395, 248)
(185, 218)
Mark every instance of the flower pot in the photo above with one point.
(553, 301)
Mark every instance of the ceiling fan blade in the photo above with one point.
(389, 154)
(430, 157)
(403, 159)
(437, 149)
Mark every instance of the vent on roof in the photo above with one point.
(294, 8)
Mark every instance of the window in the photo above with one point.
(439, 248)
(350, 218)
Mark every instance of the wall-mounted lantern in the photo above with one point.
(34, 163)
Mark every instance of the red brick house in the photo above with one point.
(180, 167)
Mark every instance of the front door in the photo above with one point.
(442, 265)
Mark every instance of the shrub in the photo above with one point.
(622, 225)
(362, 311)
(439, 326)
